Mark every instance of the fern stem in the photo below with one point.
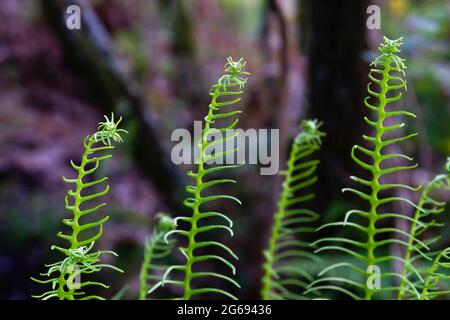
(196, 212)
(430, 276)
(291, 220)
(376, 174)
(190, 256)
(408, 252)
(278, 217)
(269, 254)
(74, 243)
(143, 274)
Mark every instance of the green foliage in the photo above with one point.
(65, 275)
(289, 268)
(387, 74)
(426, 279)
(155, 251)
(284, 275)
(225, 93)
(435, 276)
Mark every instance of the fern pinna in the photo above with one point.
(386, 80)
(220, 119)
(423, 267)
(284, 277)
(65, 276)
(156, 252)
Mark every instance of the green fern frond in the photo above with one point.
(424, 220)
(386, 79)
(155, 252)
(284, 277)
(436, 274)
(65, 276)
(225, 93)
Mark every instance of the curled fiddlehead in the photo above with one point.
(386, 79)
(65, 276)
(284, 277)
(225, 93)
(424, 220)
(155, 252)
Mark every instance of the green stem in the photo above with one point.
(143, 274)
(376, 173)
(74, 244)
(189, 250)
(401, 291)
(269, 254)
(275, 232)
(429, 277)
(412, 232)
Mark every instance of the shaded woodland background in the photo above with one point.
(153, 62)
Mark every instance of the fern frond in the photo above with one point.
(85, 226)
(155, 252)
(436, 274)
(284, 277)
(386, 82)
(67, 273)
(225, 93)
(423, 221)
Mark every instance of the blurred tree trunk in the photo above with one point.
(177, 17)
(333, 33)
(275, 90)
(90, 53)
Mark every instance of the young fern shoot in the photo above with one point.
(284, 277)
(437, 273)
(225, 94)
(155, 252)
(424, 219)
(386, 79)
(65, 276)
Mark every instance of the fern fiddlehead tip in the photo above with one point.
(157, 251)
(310, 132)
(108, 130)
(165, 223)
(391, 46)
(235, 67)
(389, 49)
(235, 75)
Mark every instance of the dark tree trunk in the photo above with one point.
(334, 35)
(90, 52)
